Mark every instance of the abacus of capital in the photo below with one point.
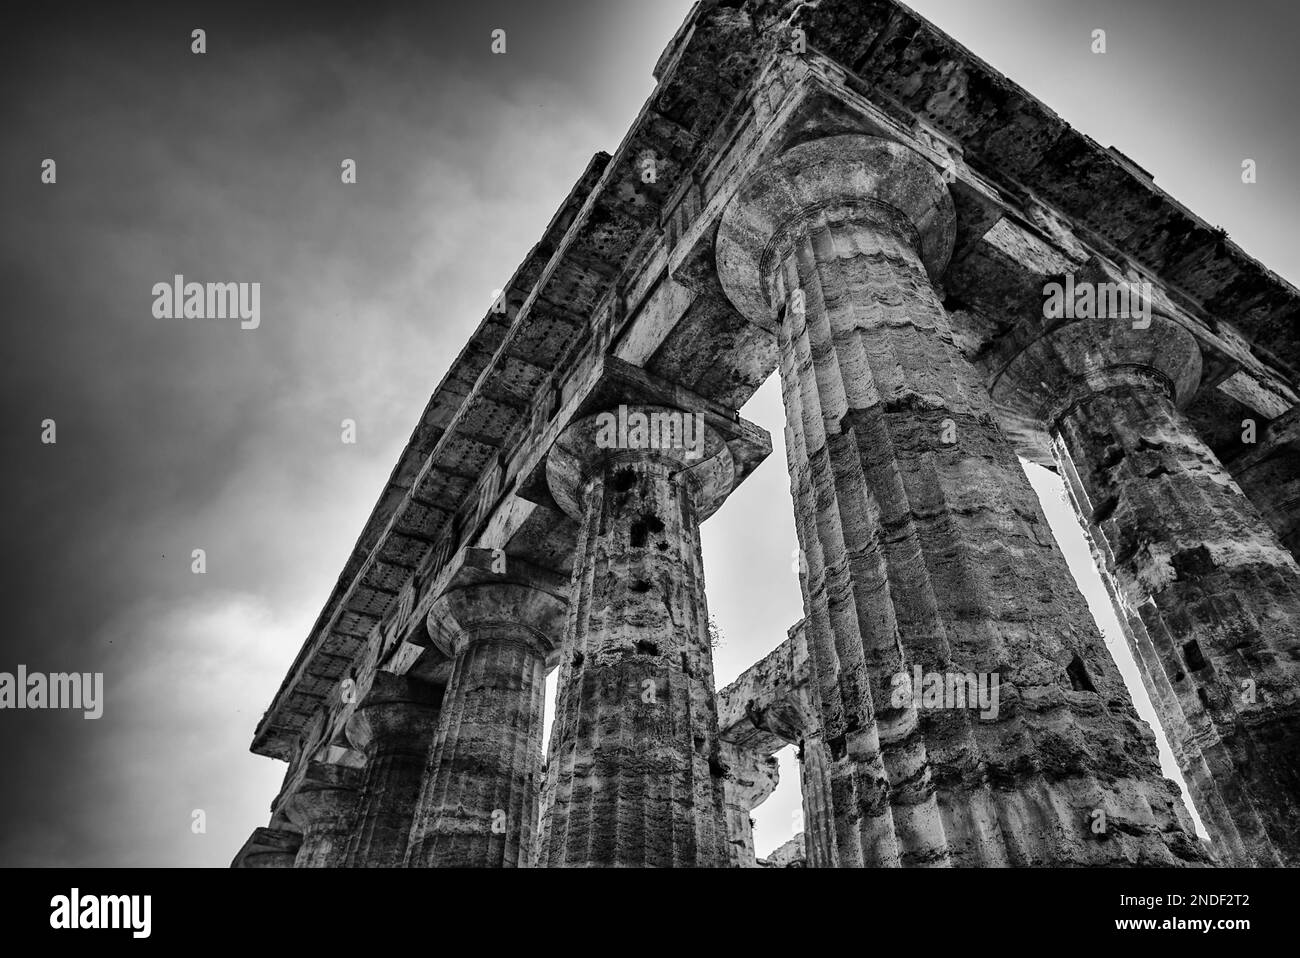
(842, 195)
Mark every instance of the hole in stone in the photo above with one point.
(639, 586)
(716, 768)
(686, 666)
(1157, 472)
(1192, 654)
(1105, 510)
(1192, 563)
(578, 658)
(1178, 677)
(623, 480)
(1204, 697)
(1114, 456)
(838, 747)
(662, 547)
(1145, 443)
(1078, 673)
(645, 527)
(646, 647)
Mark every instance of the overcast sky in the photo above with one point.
(175, 435)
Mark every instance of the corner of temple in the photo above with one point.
(879, 181)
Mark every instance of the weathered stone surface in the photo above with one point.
(393, 727)
(324, 810)
(751, 777)
(767, 707)
(772, 704)
(479, 805)
(926, 546)
(1216, 599)
(789, 855)
(635, 777)
(1206, 593)
(816, 784)
(1270, 476)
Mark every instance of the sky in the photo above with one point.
(177, 435)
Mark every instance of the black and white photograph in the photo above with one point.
(650, 434)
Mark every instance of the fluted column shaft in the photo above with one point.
(394, 727)
(479, 804)
(634, 775)
(1214, 603)
(926, 548)
(325, 813)
(393, 779)
(751, 777)
(482, 803)
(818, 810)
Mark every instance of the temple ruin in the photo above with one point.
(838, 193)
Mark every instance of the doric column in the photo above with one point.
(479, 804)
(1210, 597)
(324, 809)
(926, 547)
(1219, 597)
(815, 778)
(634, 775)
(818, 808)
(393, 726)
(1178, 734)
(751, 777)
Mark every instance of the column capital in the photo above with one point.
(497, 610)
(634, 777)
(752, 774)
(1074, 361)
(851, 176)
(268, 848)
(396, 710)
(328, 794)
(692, 450)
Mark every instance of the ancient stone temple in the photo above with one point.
(947, 278)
